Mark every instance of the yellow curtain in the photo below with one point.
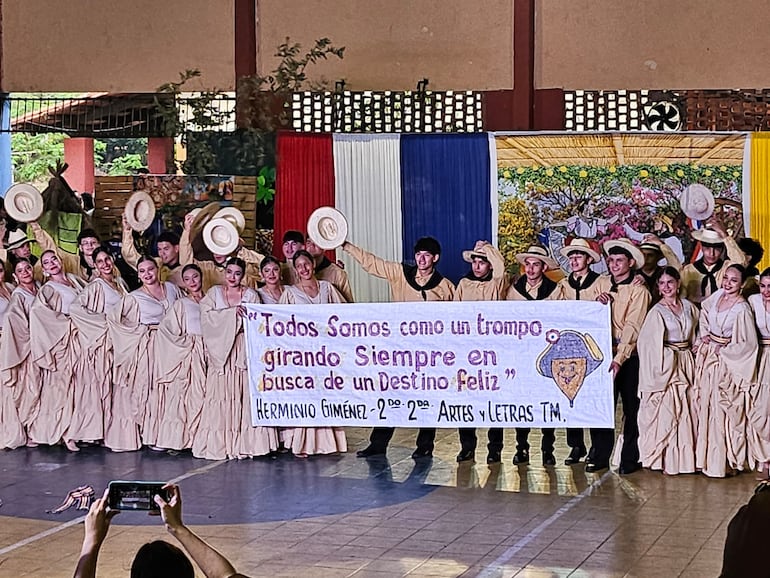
(760, 193)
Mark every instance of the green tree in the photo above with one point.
(33, 155)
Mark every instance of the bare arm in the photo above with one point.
(97, 524)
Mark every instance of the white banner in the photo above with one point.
(434, 364)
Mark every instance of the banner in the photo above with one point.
(436, 364)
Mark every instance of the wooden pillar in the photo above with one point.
(523, 64)
(79, 155)
(160, 155)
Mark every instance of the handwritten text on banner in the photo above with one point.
(453, 364)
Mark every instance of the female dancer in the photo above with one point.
(54, 350)
(666, 374)
(758, 413)
(181, 365)
(11, 431)
(93, 370)
(225, 429)
(305, 441)
(270, 268)
(725, 367)
(135, 395)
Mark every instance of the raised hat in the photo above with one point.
(16, 239)
(582, 246)
(327, 227)
(479, 251)
(220, 236)
(23, 203)
(708, 236)
(697, 202)
(626, 245)
(140, 211)
(234, 216)
(537, 252)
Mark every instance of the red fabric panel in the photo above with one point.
(304, 181)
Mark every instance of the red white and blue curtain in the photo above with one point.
(393, 189)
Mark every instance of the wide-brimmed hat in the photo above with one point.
(327, 227)
(697, 202)
(626, 245)
(582, 246)
(140, 211)
(537, 252)
(220, 236)
(23, 203)
(16, 239)
(234, 216)
(650, 246)
(708, 236)
(479, 251)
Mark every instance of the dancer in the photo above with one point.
(758, 411)
(271, 293)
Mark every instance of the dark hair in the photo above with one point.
(237, 261)
(101, 249)
(168, 237)
(145, 257)
(302, 253)
(428, 244)
(295, 236)
(765, 273)
(741, 269)
(752, 248)
(267, 260)
(621, 251)
(87, 234)
(18, 260)
(192, 267)
(670, 271)
(160, 559)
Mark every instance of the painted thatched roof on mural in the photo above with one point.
(614, 149)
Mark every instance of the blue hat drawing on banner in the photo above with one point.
(568, 359)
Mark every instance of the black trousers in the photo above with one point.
(602, 440)
(546, 444)
(468, 439)
(575, 438)
(381, 436)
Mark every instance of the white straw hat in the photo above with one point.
(23, 203)
(327, 227)
(140, 211)
(234, 216)
(697, 202)
(220, 236)
(626, 245)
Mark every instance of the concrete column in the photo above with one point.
(160, 155)
(79, 155)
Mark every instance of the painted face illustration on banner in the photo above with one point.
(568, 359)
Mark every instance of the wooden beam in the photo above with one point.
(514, 144)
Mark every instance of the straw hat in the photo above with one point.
(140, 211)
(23, 203)
(626, 244)
(327, 227)
(479, 251)
(234, 216)
(537, 252)
(220, 236)
(708, 236)
(697, 202)
(582, 246)
(16, 239)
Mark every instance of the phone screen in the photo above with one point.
(135, 495)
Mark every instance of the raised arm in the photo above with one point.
(373, 264)
(127, 247)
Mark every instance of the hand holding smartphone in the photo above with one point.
(135, 495)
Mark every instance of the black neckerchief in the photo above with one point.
(627, 281)
(546, 288)
(472, 277)
(323, 264)
(709, 277)
(588, 280)
(410, 273)
(172, 267)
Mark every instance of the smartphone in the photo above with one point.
(135, 495)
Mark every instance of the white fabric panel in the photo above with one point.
(494, 195)
(367, 175)
(746, 192)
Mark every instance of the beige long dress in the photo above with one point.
(17, 369)
(135, 393)
(668, 406)
(93, 368)
(758, 409)
(225, 430)
(12, 433)
(725, 368)
(54, 349)
(308, 441)
(181, 374)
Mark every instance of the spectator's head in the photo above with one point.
(312, 248)
(18, 244)
(752, 249)
(293, 241)
(160, 559)
(88, 240)
(168, 248)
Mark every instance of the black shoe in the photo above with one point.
(629, 468)
(549, 459)
(493, 457)
(420, 453)
(370, 451)
(575, 455)
(521, 457)
(466, 456)
(596, 466)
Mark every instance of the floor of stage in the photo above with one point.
(345, 516)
